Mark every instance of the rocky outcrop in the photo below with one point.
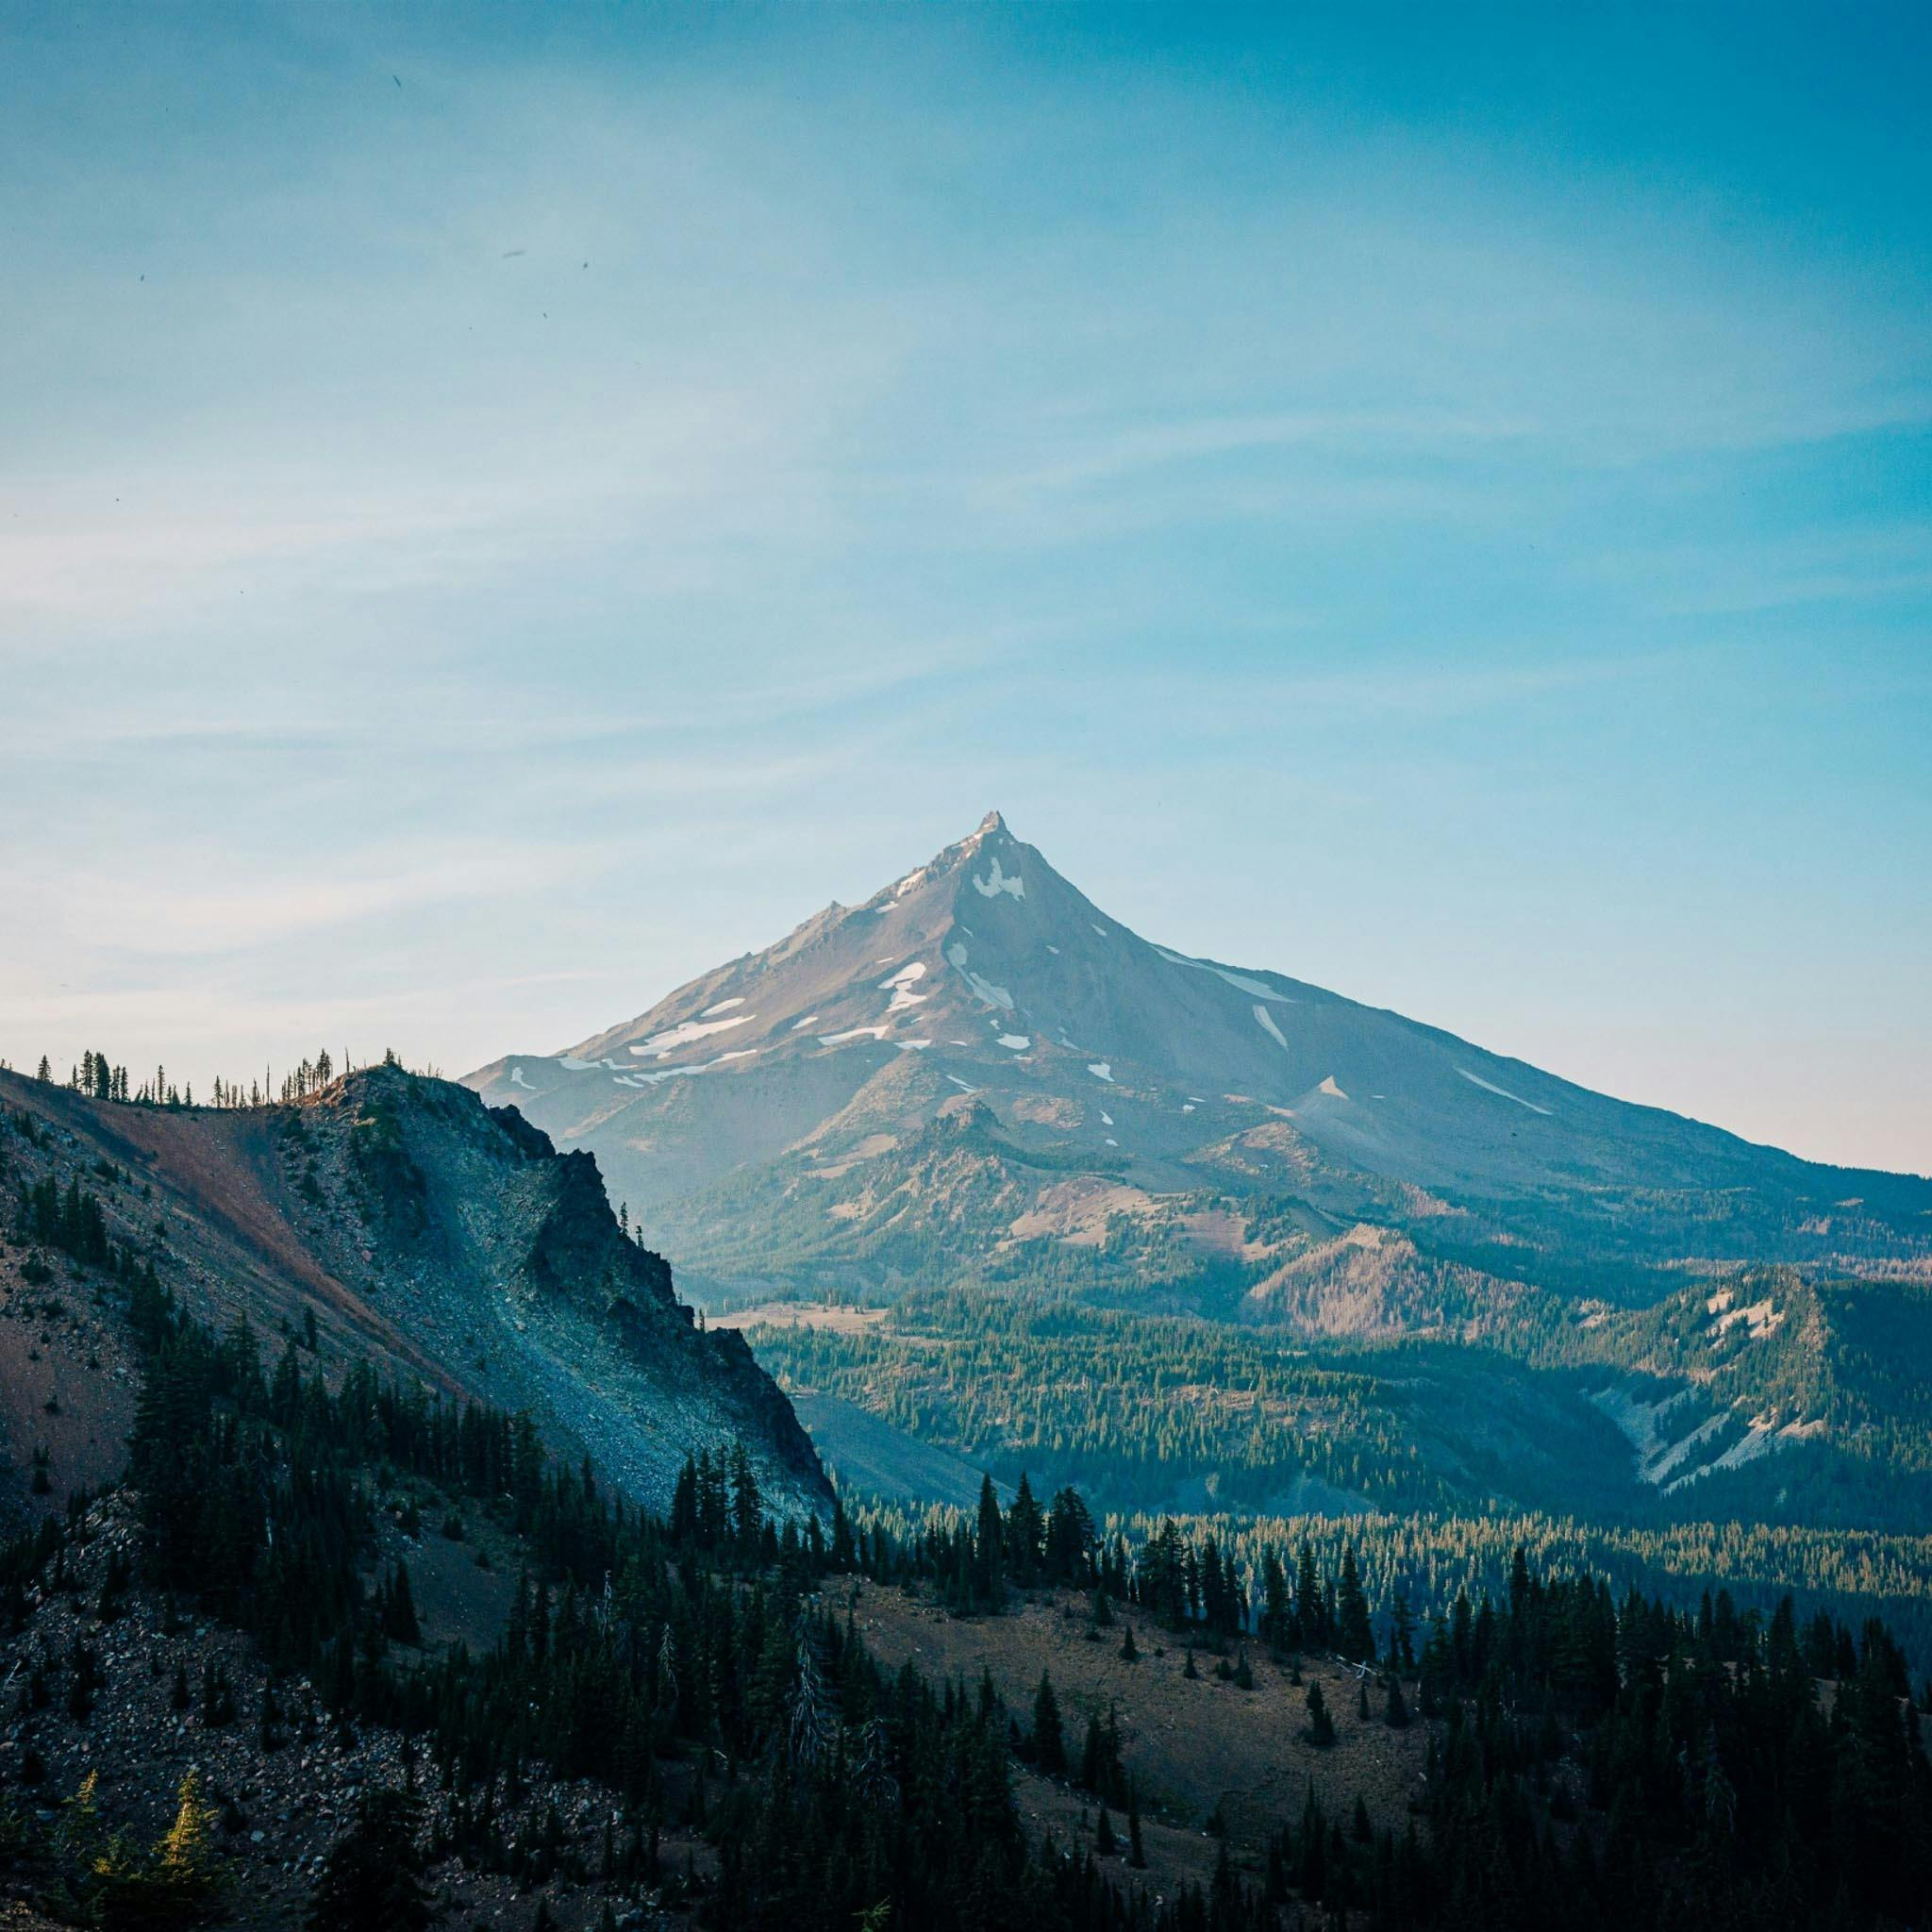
(447, 1241)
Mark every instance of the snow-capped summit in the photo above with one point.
(984, 986)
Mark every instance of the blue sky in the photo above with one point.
(501, 511)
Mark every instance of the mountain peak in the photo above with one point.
(950, 860)
(993, 975)
(991, 827)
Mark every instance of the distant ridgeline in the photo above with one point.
(102, 1078)
(1170, 1410)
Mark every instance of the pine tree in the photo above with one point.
(188, 1860)
(1402, 1636)
(1093, 1756)
(1310, 1626)
(747, 1507)
(399, 1620)
(989, 1565)
(1320, 1729)
(373, 1877)
(1355, 1635)
(1104, 1841)
(1049, 1741)
(1398, 1707)
(1025, 1535)
(1277, 1613)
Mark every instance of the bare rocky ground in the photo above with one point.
(282, 1809)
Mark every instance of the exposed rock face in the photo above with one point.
(450, 1240)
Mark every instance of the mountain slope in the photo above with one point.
(428, 1233)
(978, 1081)
(984, 974)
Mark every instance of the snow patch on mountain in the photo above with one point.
(1101, 1070)
(900, 984)
(996, 882)
(660, 1044)
(1240, 981)
(1266, 1019)
(744, 1053)
(722, 1006)
(983, 990)
(1491, 1087)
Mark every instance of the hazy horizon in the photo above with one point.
(502, 512)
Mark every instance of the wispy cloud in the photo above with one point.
(583, 508)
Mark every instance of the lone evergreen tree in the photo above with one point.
(1321, 1725)
(189, 1857)
(1049, 1741)
(989, 1565)
(372, 1878)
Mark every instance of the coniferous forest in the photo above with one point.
(1599, 1727)
(1590, 1759)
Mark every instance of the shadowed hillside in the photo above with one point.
(398, 1219)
